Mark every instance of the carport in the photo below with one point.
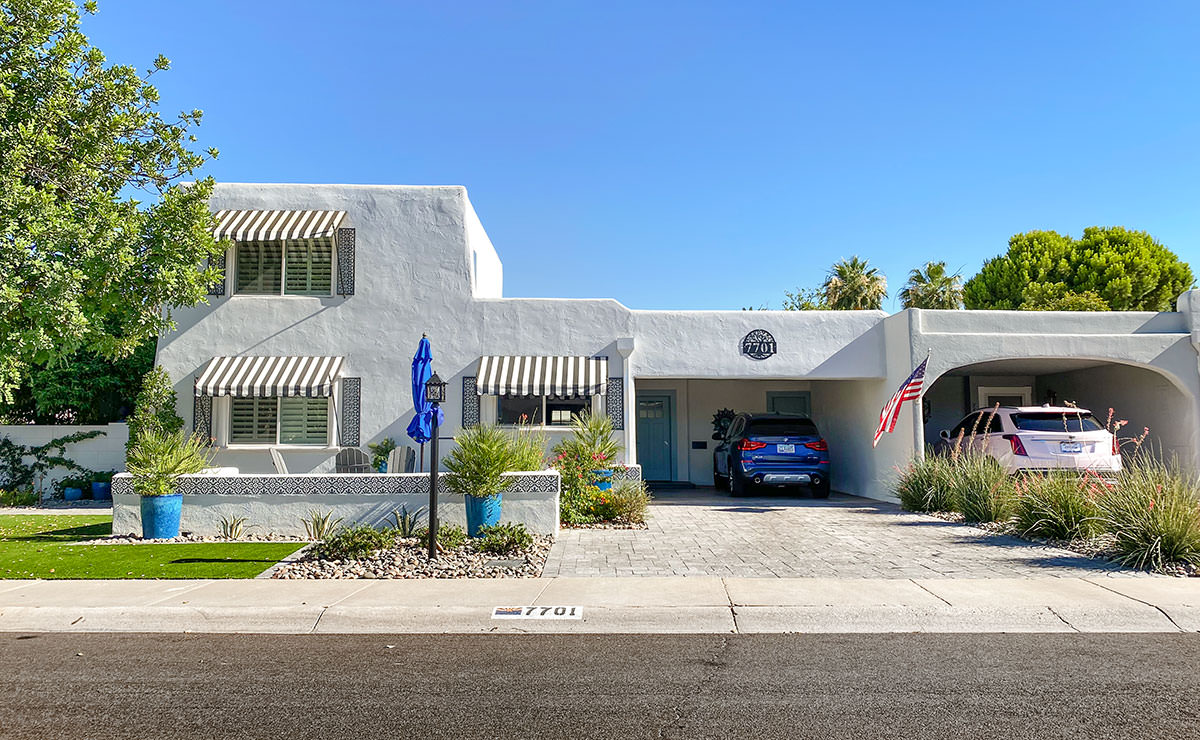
(1146, 397)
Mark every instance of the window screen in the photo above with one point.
(259, 267)
(253, 421)
(519, 409)
(303, 421)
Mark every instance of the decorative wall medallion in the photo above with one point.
(758, 344)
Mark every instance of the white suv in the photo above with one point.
(1031, 438)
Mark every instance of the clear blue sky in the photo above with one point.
(705, 155)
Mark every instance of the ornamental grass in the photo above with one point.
(1154, 514)
(1059, 505)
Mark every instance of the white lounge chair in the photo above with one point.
(402, 460)
(280, 465)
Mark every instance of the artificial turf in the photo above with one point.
(40, 546)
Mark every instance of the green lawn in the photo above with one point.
(39, 546)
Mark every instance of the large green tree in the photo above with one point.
(98, 239)
(1110, 268)
(932, 287)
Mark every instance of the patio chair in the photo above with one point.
(352, 460)
(280, 465)
(402, 460)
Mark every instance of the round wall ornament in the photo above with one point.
(758, 344)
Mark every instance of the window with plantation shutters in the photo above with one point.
(303, 421)
(254, 421)
(294, 267)
(285, 421)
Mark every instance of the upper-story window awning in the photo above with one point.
(265, 376)
(528, 375)
(262, 226)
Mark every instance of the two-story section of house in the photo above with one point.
(305, 348)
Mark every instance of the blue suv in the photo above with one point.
(771, 450)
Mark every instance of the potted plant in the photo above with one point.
(592, 443)
(102, 485)
(72, 488)
(156, 462)
(379, 453)
(475, 471)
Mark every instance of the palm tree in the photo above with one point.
(932, 288)
(853, 285)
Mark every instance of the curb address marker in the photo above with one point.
(537, 612)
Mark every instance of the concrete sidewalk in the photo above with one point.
(609, 605)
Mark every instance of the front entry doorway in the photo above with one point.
(655, 435)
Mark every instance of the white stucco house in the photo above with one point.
(306, 347)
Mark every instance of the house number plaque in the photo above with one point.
(758, 344)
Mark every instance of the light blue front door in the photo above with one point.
(655, 448)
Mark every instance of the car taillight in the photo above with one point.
(746, 445)
(819, 445)
(1017, 447)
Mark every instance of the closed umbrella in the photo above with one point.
(420, 429)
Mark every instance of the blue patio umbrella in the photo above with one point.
(420, 429)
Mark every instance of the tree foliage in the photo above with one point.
(154, 410)
(1110, 268)
(853, 285)
(81, 389)
(932, 287)
(85, 265)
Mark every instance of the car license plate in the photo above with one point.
(1071, 446)
(785, 449)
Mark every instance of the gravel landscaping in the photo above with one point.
(1102, 547)
(128, 539)
(409, 559)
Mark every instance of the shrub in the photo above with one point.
(626, 501)
(927, 484)
(589, 448)
(527, 449)
(476, 465)
(154, 409)
(502, 539)
(1061, 505)
(1154, 513)
(18, 497)
(980, 488)
(355, 543)
(450, 536)
(158, 459)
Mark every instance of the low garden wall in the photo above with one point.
(278, 504)
(105, 452)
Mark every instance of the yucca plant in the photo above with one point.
(158, 459)
(591, 439)
(1060, 505)
(477, 464)
(1154, 514)
(527, 449)
(926, 484)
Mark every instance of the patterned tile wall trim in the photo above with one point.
(218, 288)
(470, 404)
(202, 417)
(345, 252)
(615, 402)
(351, 411)
(628, 472)
(364, 484)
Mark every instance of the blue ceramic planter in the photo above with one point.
(160, 516)
(482, 512)
(102, 491)
(72, 494)
(603, 479)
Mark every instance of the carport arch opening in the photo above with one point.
(1143, 395)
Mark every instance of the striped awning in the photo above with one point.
(250, 376)
(526, 375)
(265, 226)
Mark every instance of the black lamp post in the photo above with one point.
(435, 393)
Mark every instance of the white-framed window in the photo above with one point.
(296, 267)
(279, 421)
(1005, 395)
(539, 410)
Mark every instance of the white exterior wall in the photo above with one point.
(98, 453)
(425, 264)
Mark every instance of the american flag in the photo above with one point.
(909, 391)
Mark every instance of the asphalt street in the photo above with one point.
(601, 686)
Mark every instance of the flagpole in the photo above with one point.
(919, 419)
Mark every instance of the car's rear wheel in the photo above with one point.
(737, 484)
(821, 489)
(720, 482)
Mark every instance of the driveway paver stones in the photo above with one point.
(704, 532)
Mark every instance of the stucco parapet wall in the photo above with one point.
(1050, 322)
